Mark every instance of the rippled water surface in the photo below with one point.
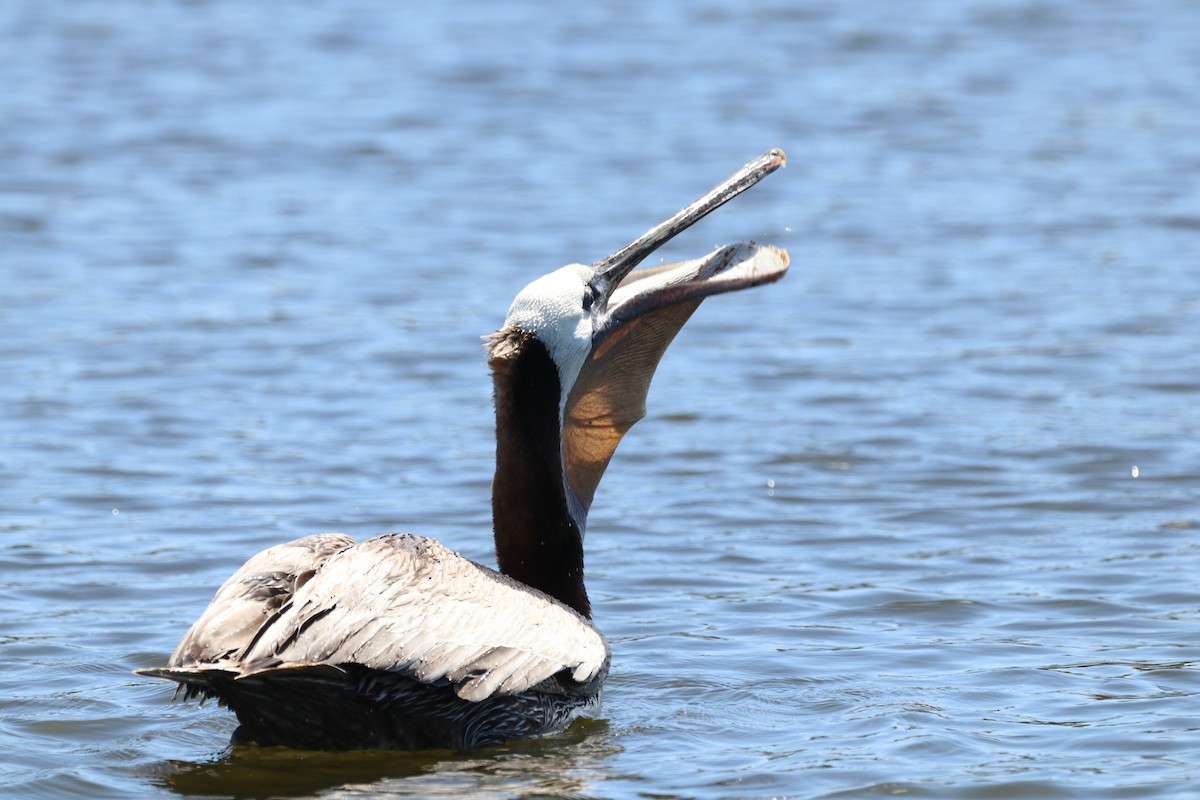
(921, 520)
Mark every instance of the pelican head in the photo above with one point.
(573, 362)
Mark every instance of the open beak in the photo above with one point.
(613, 269)
(639, 312)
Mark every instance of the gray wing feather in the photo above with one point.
(252, 598)
(410, 605)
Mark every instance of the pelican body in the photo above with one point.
(399, 642)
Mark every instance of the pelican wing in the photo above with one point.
(410, 605)
(251, 600)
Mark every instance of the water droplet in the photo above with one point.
(1134, 471)
(116, 511)
(770, 484)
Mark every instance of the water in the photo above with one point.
(881, 533)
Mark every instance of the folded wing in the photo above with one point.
(395, 603)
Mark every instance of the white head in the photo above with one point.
(558, 309)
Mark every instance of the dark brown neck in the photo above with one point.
(538, 542)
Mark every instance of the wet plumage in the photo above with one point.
(394, 642)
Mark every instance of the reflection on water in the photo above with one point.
(880, 532)
(565, 766)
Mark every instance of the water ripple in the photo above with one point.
(920, 520)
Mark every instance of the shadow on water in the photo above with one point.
(565, 765)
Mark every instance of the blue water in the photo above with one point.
(921, 520)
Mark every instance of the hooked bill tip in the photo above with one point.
(777, 154)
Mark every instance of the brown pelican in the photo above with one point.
(399, 642)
